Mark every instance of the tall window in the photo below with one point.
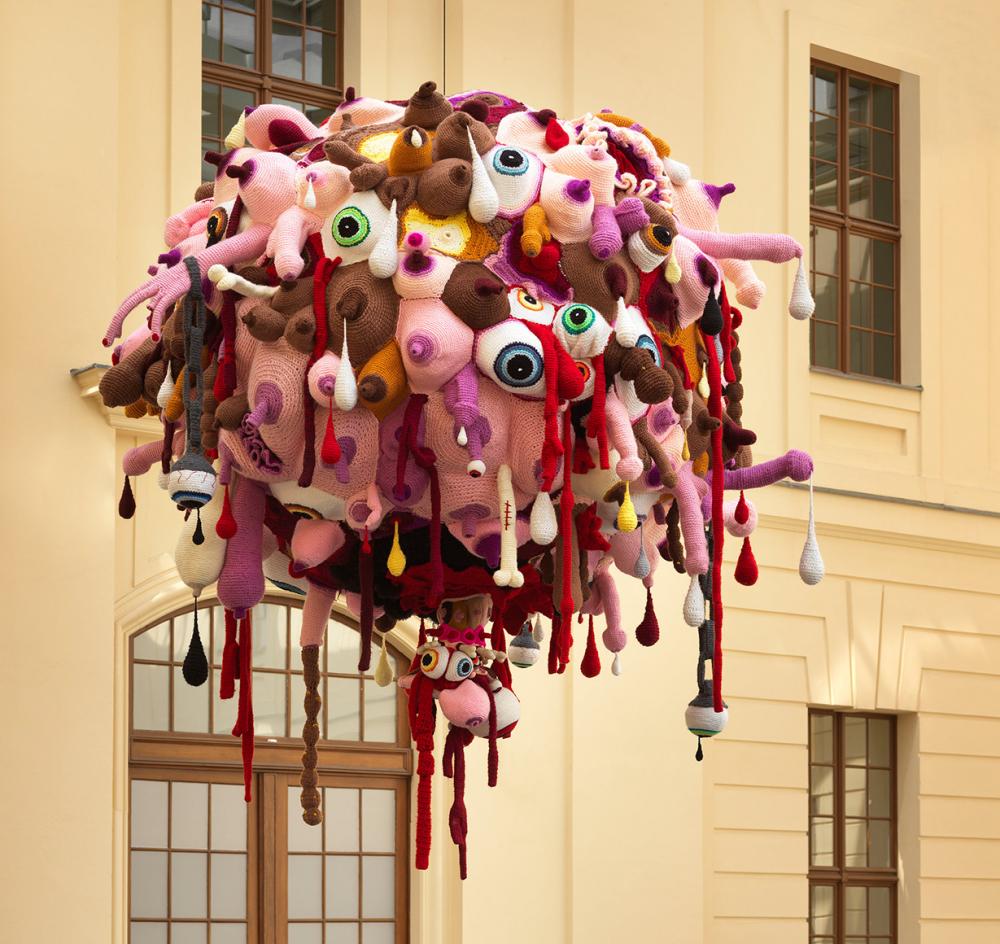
(254, 51)
(854, 217)
(207, 868)
(852, 829)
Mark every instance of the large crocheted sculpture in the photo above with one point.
(456, 359)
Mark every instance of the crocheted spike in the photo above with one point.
(225, 527)
(126, 504)
(543, 523)
(746, 566)
(590, 665)
(801, 305)
(672, 273)
(647, 633)
(811, 566)
(555, 135)
(330, 450)
(383, 671)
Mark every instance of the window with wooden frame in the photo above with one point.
(854, 222)
(207, 868)
(255, 51)
(852, 828)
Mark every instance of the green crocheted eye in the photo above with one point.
(577, 318)
(350, 227)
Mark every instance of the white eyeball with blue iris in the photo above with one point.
(517, 176)
(511, 356)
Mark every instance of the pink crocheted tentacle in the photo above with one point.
(241, 583)
(146, 290)
(766, 247)
(315, 615)
(686, 494)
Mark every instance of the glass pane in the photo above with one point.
(301, 836)
(153, 644)
(188, 933)
(207, 170)
(234, 100)
(210, 31)
(861, 258)
(305, 934)
(824, 184)
(878, 910)
(855, 843)
(825, 289)
(342, 886)
(855, 910)
(824, 91)
(342, 709)
(294, 613)
(341, 934)
(150, 697)
(229, 817)
(288, 10)
(861, 352)
(229, 886)
(183, 630)
(821, 739)
(229, 934)
(317, 114)
(343, 645)
(879, 853)
(341, 819)
(188, 884)
(224, 712)
(380, 711)
(825, 138)
(883, 200)
(879, 736)
(299, 106)
(238, 40)
(859, 147)
(883, 347)
(882, 106)
(149, 814)
(379, 934)
(269, 703)
(858, 95)
(883, 262)
(148, 890)
(854, 791)
(821, 791)
(861, 305)
(378, 886)
(882, 153)
(142, 932)
(854, 740)
(250, 5)
(378, 820)
(305, 886)
(190, 705)
(321, 58)
(825, 345)
(286, 50)
(189, 816)
(825, 256)
(860, 198)
(270, 643)
(821, 909)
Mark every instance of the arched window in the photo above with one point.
(207, 868)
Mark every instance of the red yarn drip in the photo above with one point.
(742, 512)
(422, 717)
(126, 504)
(330, 451)
(453, 763)
(555, 135)
(553, 447)
(566, 530)
(718, 531)
(366, 572)
(726, 335)
(553, 655)
(597, 424)
(746, 566)
(226, 526)
(647, 633)
(590, 665)
(321, 278)
(499, 644)
(230, 659)
(244, 716)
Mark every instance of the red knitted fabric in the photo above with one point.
(226, 526)
(590, 665)
(566, 528)
(422, 717)
(330, 450)
(230, 657)
(746, 566)
(244, 716)
(597, 423)
(367, 615)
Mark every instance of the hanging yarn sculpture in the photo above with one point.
(452, 358)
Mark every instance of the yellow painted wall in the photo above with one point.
(623, 835)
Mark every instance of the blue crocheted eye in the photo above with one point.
(460, 667)
(510, 161)
(648, 344)
(350, 227)
(519, 365)
(577, 318)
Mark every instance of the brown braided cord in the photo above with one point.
(311, 812)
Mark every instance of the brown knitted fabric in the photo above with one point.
(310, 800)
(427, 107)
(123, 384)
(369, 305)
(589, 278)
(656, 452)
(674, 544)
(476, 296)
(230, 412)
(452, 137)
(443, 189)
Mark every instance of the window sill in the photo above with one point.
(864, 378)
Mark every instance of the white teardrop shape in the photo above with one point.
(415, 138)
(345, 387)
(484, 203)
(237, 135)
(801, 305)
(627, 325)
(616, 665)
(641, 569)
(673, 270)
(462, 438)
(166, 389)
(383, 671)
(538, 632)
(694, 604)
(811, 566)
(678, 173)
(703, 387)
(310, 199)
(385, 258)
(544, 526)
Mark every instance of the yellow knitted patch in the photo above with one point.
(457, 235)
(378, 146)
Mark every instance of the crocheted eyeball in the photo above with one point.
(192, 481)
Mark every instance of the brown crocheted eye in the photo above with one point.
(434, 661)
(303, 511)
(659, 237)
(216, 224)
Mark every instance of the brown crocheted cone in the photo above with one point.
(427, 107)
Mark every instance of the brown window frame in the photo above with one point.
(216, 758)
(846, 225)
(260, 82)
(839, 875)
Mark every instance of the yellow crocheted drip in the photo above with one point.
(396, 562)
(536, 230)
(627, 518)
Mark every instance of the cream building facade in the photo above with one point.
(603, 828)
